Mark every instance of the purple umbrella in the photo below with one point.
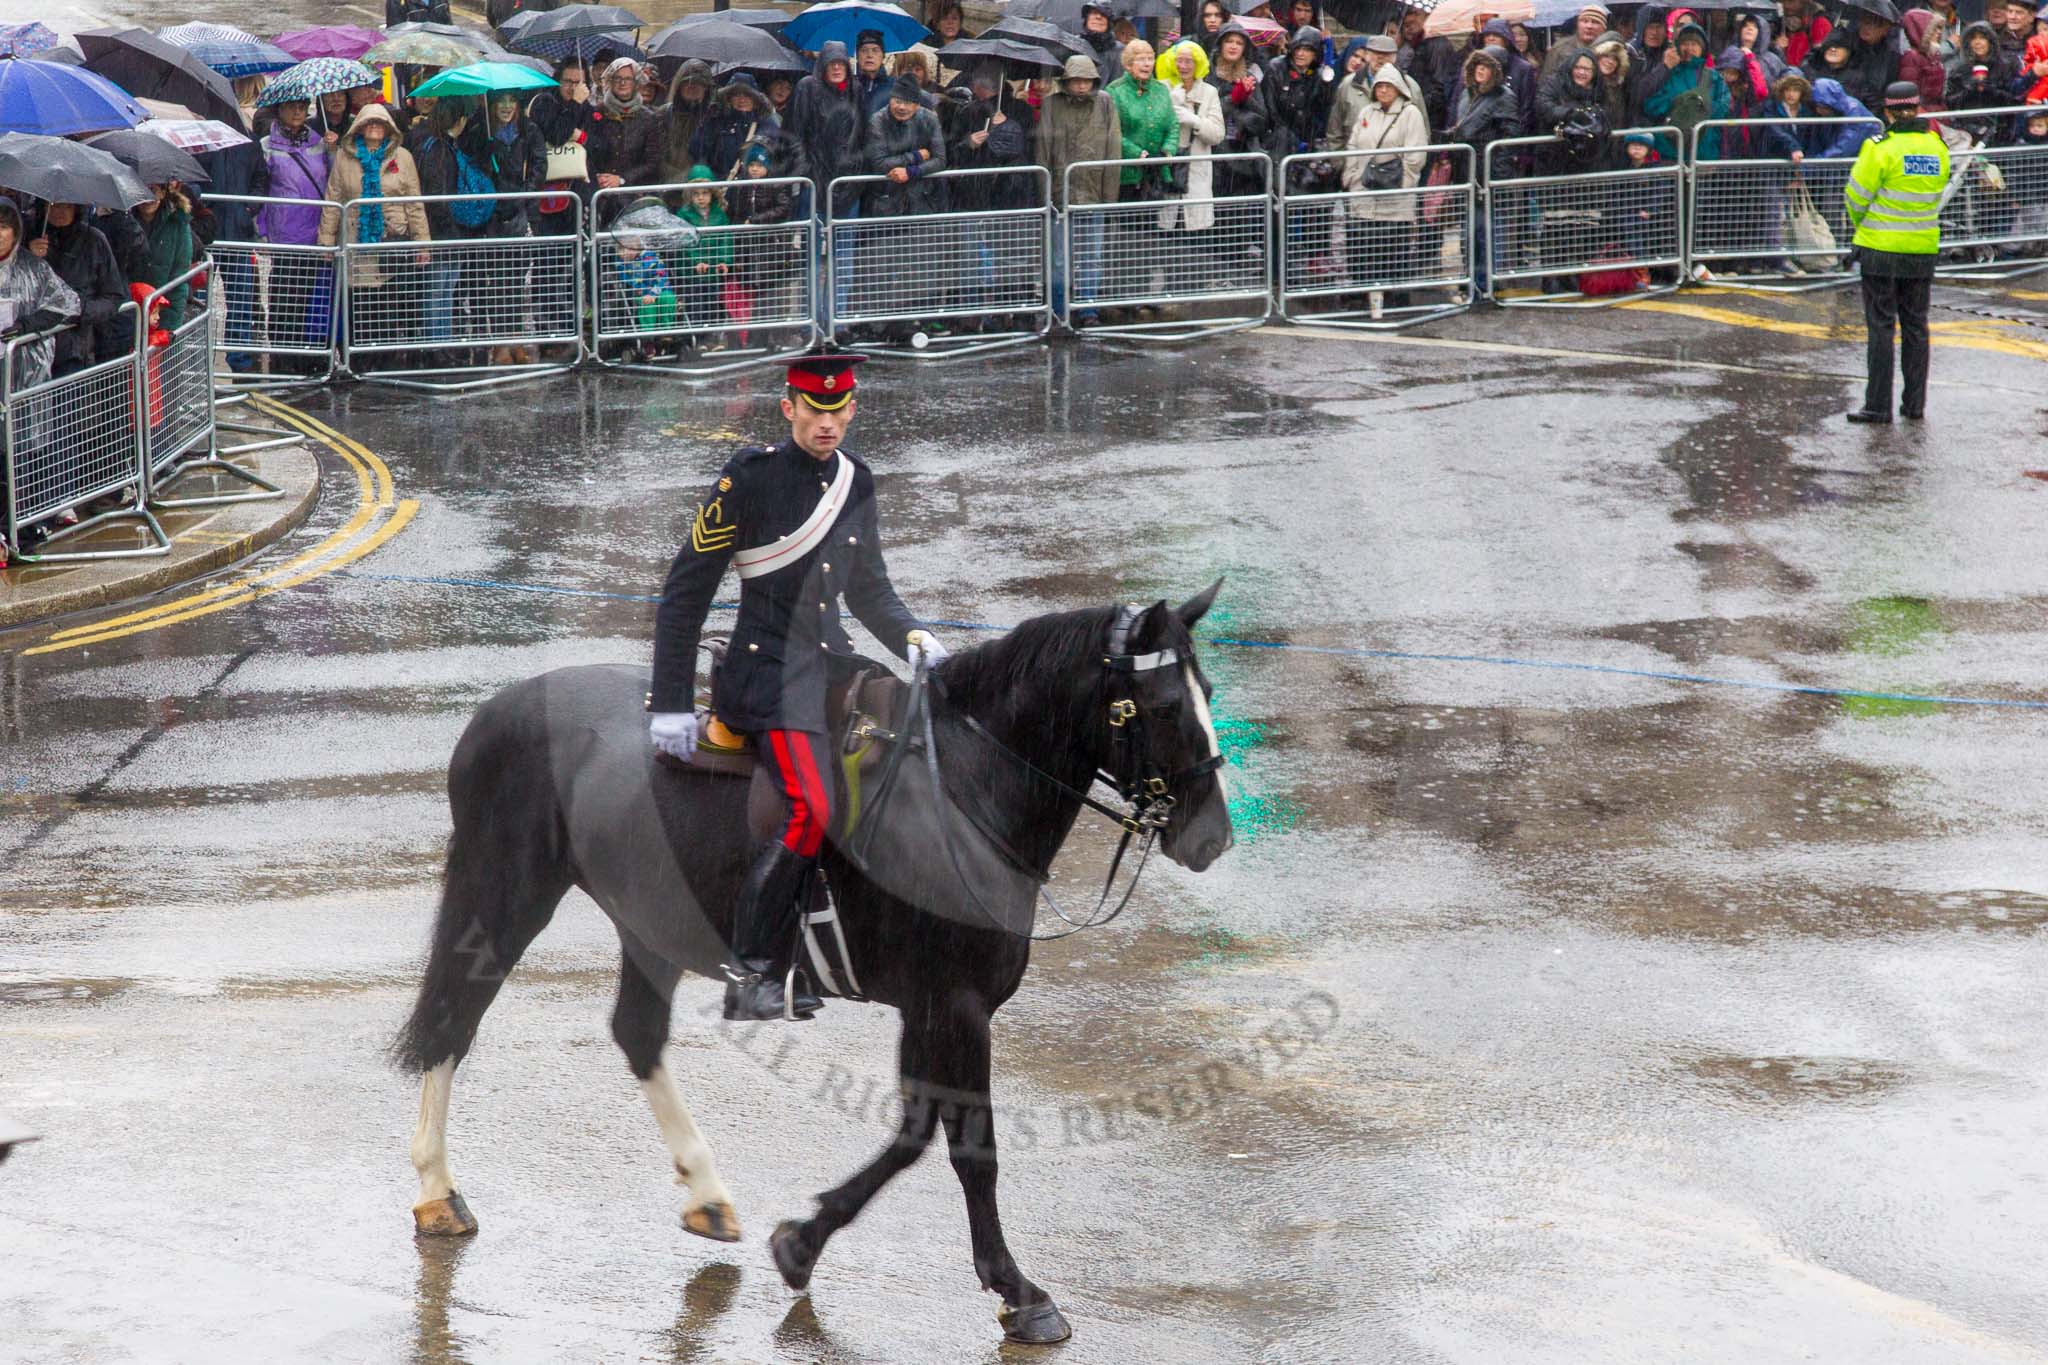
(333, 40)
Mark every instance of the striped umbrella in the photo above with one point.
(25, 40)
(194, 135)
(309, 80)
(229, 51)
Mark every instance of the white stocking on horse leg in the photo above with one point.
(440, 1211)
(709, 1212)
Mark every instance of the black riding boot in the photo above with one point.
(764, 938)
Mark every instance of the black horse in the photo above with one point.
(553, 785)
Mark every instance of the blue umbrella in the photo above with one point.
(229, 51)
(843, 21)
(25, 40)
(56, 101)
(311, 79)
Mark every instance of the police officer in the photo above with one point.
(797, 520)
(1893, 200)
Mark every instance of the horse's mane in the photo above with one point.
(999, 672)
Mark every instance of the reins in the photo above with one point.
(1146, 792)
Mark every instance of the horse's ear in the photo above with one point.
(1195, 608)
(1152, 626)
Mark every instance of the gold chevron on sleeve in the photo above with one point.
(710, 534)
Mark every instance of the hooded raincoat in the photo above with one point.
(827, 121)
(1073, 129)
(1198, 113)
(32, 299)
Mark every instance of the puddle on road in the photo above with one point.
(1771, 1081)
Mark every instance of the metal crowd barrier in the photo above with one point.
(467, 310)
(68, 441)
(279, 304)
(1210, 260)
(1994, 223)
(1550, 225)
(1764, 223)
(176, 397)
(1344, 250)
(987, 270)
(648, 296)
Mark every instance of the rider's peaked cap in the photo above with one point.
(826, 381)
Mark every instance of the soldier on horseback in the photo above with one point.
(797, 520)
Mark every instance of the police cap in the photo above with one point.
(825, 381)
(1902, 95)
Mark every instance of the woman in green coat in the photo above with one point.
(167, 229)
(1134, 264)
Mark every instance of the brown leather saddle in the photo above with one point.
(857, 713)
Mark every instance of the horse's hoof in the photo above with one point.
(716, 1221)
(448, 1217)
(1034, 1324)
(790, 1257)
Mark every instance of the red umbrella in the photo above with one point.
(331, 40)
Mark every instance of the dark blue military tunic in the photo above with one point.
(788, 644)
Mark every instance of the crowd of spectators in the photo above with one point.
(698, 137)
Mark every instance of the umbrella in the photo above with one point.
(60, 171)
(767, 20)
(309, 80)
(332, 40)
(25, 40)
(1146, 9)
(148, 67)
(1455, 16)
(44, 97)
(1264, 32)
(1019, 59)
(483, 78)
(577, 29)
(69, 56)
(152, 159)
(1038, 33)
(482, 42)
(194, 135)
(663, 230)
(1062, 14)
(425, 49)
(843, 21)
(723, 44)
(229, 51)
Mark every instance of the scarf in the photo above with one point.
(614, 107)
(370, 219)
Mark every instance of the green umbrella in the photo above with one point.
(483, 78)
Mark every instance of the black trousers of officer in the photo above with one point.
(1894, 301)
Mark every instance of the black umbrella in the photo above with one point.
(147, 67)
(767, 20)
(725, 45)
(60, 171)
(1051, 37)
(1066, 14)
(1145, 9)
(1018, 59)
(577, 29)
(152, 158)
(468, 37)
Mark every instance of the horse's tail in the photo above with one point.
(507, 869)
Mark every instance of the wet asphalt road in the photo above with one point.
(1538, 1015)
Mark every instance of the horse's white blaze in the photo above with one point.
(1201, 702)
(430, 1138)
(692, 1155)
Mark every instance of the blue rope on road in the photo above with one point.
(1342, 651)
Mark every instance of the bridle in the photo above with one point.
(1146, 791)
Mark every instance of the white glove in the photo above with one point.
(925, 648)
(1188, 117)
(674, 733)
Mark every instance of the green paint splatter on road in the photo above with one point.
(1891, 628)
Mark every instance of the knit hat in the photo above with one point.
(752, 152)
(700, 171)
(867, 36)
(1639, 140)
(907, 88)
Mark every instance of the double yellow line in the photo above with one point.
(377, 512)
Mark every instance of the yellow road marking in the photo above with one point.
(1976, 335)
(400, 516)
(366, 510)
(374, 493)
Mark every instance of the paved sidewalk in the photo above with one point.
(203, 540)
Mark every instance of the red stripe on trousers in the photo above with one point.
(809, 807)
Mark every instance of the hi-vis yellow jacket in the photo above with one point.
(1893, 197)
